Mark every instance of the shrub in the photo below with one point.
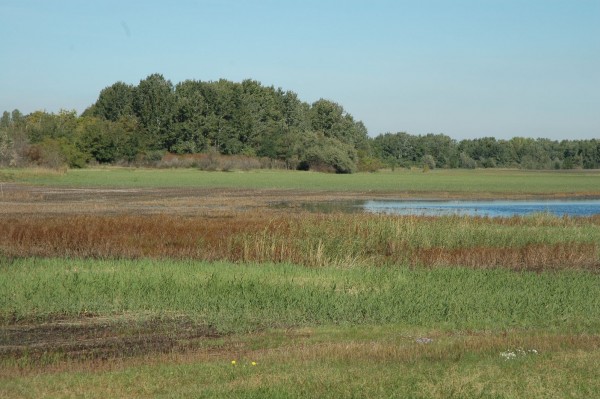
(213, 161)
(369, 164)
(329, 155)
(466, 162)
(428, 162)
(44, 155)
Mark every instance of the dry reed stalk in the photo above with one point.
(529, 257)
(302, 238)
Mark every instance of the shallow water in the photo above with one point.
(485, 208)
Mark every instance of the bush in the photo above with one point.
(55, 154)
(329, 155)
(466, 162)
(369, 164)
(213, 161)
(149, 158)
(428, 162)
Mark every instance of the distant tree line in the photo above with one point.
(143, 124)
(440, 151)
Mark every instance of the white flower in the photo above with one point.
(518, 352)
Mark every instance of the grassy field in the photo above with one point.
(150, 283)
(324, 332)
(509, 182)
(340, 362)
(251, 297)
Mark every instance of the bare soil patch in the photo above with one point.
(99, 338)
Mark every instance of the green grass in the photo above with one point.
(437, 181)
(325, 332)
(341, 362)
(252, 297)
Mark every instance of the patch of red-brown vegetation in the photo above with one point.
(121, 236)
(530, 257)
(302, 238)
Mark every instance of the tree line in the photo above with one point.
(141, 124)
(440, 151)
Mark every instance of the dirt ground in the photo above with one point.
(98, 338)
(29, 199)
(25, 199)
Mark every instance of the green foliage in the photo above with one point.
(428, 162)
(466, 162)
(46, 153)
(368, 163)
(232, 118)
(153, 104)
(41, 125)
(322, 153)
(5, 147)
(248, 118)
(106, 141)
(13, 139)
(402, 149)
(332, 121)
(397, 149)
(115, 102)
(55, 154)
(74, 157)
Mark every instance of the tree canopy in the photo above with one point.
(129, 124)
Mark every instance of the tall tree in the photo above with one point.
(115, 101)
(153, 104)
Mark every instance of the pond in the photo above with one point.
(484, 208)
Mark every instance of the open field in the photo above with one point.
(131, 191)
(327, 332)
(148, 283)
(336, 362)
(440, 183)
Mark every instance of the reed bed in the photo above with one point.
(251, 297)
(539, 242)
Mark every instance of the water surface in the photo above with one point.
(485, 208)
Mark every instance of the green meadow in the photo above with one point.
(325, 332)
(473, 182)
(253, 297)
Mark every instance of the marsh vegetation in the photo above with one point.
(165, 277)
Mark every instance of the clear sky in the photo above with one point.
(465, 68)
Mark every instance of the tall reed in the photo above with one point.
(533, 243)
(253, 296)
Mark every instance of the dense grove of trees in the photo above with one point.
(140, 124)
(440, 151)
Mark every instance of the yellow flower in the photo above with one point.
(254, 363)
(233, 362)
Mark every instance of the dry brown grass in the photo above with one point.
(302, 238)
(529, 257)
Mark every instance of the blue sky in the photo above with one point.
(464, 68)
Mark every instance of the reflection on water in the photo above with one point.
(485, 208)
(461, 208)
(355, 206)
